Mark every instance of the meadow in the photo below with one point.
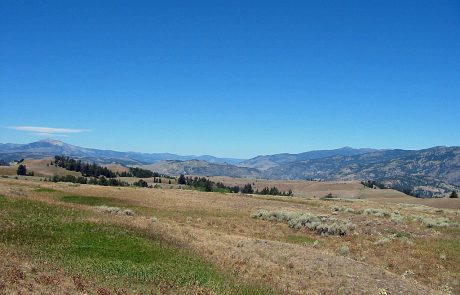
(67, 238)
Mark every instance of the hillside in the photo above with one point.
(196, 167)
(268, 161)
(435, 169)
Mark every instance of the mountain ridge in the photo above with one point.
(426, 172)
(51, 147)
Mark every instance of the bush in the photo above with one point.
(453, 195)
(298, 220)
(344, 250)
(114, 210)
(396, 217)
(382, 241)
(435, 222)
(328, 196)
(377, 212)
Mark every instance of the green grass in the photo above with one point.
(401, 234)
(90, 200)
(450, 246)
(298, 239)
(107, 254)
(45, 190)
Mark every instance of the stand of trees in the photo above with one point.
(86, 169)
(139, 172)
(102, 180)
(373, 184)
(204, 184)
(95, 170)
(274, 191)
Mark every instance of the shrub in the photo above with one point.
(396, 217)
(298, 220)
(328, 196)
(435, 222)
(407, 273)
(382, 241)
(344, 250)
(337, 208)
(376, 212)
(114, 210)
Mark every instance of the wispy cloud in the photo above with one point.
(46, 131)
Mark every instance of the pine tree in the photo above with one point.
(181, 179)
(22, 170)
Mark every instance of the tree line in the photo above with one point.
(95, 170)
(205, 184)
(86, 169)
(101, 180)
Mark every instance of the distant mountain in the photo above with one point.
(204, 168)
(429, 172)
(269, 161)
(50, 148)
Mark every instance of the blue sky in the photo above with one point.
(233, 78)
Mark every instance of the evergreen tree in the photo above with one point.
(22, 170)
(453, 195)
(247, 189)
(181, 179)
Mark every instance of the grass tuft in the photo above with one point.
(45, 190)
(89, 200)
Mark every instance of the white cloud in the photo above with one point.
(49, 134)
(46, 131)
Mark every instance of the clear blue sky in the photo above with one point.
(234, 78)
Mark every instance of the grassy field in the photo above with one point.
(59, 237)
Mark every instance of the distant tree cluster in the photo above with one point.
(247, 189)
(141, 183)
(204, 184)
(94, 170)
(373, 184)
(102, 180)
(274, 191)
(86, 169)
(139, 172)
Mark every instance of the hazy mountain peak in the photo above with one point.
(53, 142)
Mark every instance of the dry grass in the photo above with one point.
(218, 226)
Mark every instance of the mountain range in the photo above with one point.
(428, 172)
(50, 148)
